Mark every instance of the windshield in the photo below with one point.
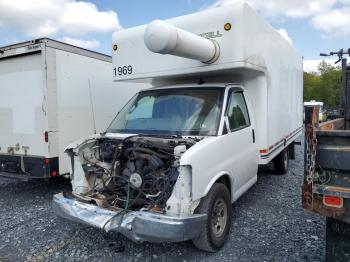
(173, 111)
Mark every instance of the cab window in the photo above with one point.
(237, 111)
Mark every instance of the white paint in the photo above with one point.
(181, 199)
(164, 38)
(268, 71)
(244, 188)
(77, 74)
(49, 91)
(22, 93)
(21, 100)
(233, 154)
(252, 53)
(250, 44)
(20, 50)
(78, 179)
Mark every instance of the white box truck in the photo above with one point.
(226, 97)
(52, 94)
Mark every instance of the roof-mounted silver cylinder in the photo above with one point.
(164, 38)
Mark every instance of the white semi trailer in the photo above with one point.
(226, 97)
(51, 94)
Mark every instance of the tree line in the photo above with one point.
(323, 86)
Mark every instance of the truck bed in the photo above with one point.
(327, 168)
(327, 179)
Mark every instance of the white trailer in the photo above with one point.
(51, 94)
(226, 97)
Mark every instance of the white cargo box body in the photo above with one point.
(252, 53)
(52, 89)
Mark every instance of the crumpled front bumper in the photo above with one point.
(138, 226)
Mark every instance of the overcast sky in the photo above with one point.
(313, 26)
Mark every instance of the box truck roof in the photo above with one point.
(36, 45)
(226, 40)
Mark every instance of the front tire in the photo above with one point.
(217, 205)
(281, 162)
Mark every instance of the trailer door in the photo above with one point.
(22, 113)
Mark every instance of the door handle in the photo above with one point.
(253, 134)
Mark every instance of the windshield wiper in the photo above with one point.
(177, 134)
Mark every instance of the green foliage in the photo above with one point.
(324, 86)
(324, 117)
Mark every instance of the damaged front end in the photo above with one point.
(133, 185)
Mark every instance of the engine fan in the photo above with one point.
(144, 177)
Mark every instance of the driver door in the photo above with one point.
(241, 138)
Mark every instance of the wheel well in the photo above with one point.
(225, 179)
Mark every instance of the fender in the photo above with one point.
(216, 178)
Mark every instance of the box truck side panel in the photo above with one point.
(51, 103)
(22, 116)
(256, 87)
(284, 108)
(283, 77)
(87, 97)
(75, 118)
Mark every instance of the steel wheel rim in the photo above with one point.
(219, 217)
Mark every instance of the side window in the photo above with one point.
(237, 111)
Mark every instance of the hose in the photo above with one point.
(146, 150)
(122, 213)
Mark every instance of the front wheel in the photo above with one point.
(281, 162)
(217, 205)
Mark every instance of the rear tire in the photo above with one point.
(281, 162)
(217, 205)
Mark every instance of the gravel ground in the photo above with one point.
(269, 224)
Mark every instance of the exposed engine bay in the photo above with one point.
(131, 173)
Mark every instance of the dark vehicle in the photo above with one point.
(334, 113)
(326, 187)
